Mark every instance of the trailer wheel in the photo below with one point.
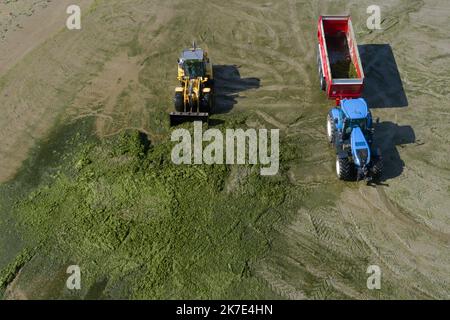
(331, 129)
(344, 169)
(178, 102)
(323, 83)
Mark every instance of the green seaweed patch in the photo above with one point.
(152, 229)
(344, 69)
(8, 274)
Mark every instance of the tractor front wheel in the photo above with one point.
(331, 129)
(344, 169)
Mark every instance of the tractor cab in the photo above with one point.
(357, 130)
(355, 114)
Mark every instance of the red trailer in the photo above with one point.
(340, 69)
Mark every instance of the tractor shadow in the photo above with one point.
(227, 85)
(383, 86)
(389, 137)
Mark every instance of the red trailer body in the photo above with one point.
(340, 67)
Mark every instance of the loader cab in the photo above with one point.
(192, 62)
(194, 69)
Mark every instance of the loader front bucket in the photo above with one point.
(177, 118)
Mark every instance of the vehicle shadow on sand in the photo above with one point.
(383, 86)
(227, 85)
(389, 137)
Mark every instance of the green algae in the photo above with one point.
(8, 274)
(126, 214)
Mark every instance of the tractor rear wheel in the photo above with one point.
(344, 169)
(178, 102)
(331, 129)
(377, 169)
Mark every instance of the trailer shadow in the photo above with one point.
(383, 87)
(389, 137)
(227, 85)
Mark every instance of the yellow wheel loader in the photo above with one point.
(194, 98)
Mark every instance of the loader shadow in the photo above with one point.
(227, 85)
(389, 137)
(383, 87)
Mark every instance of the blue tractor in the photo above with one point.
(350, 130)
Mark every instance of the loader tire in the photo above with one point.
(205, 105)
(178, 102)
(344, 169)
(331, 129)
(212, 102)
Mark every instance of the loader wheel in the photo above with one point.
(178, 102)
(331, 129)
(212, 102)
(377, 169)
(205, 105)
(344, 169)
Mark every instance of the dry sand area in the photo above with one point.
(26, 26)
(264, 53)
